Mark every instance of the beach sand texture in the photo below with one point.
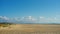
(30, 29)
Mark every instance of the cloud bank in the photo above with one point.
(30, 19)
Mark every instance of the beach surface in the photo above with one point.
(31, 29)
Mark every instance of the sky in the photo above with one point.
(39, 11)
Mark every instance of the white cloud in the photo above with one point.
(4, 18)
(26, 19)
(49, 20)
(42, 17)
(29, 18)
(35, 20)
(32, 19)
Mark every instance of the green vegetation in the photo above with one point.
(5, 24)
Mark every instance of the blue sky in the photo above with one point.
(35, 8)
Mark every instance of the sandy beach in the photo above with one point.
(30, 29)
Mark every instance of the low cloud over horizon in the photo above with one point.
(30, 19)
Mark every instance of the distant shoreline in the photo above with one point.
(30, 23)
